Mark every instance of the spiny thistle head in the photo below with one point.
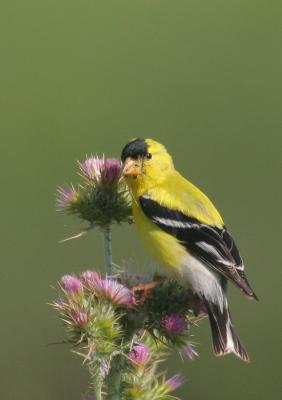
(102, 198)
(89, 315)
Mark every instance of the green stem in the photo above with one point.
(113, 382)
(98, 391)
(107, 249)
(97, 381)
(114, 378)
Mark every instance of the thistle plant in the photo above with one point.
(101, 199)
(123, 326)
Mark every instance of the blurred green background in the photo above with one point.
(80, 77)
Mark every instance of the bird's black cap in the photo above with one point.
(134, 149)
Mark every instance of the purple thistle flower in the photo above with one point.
(189, 351)
(174, 324)
(174, 382)
(113, 291)
(91, 168)
(80, 316)
(99, 169)
(72, 285)
(90, 278)
(139, 355)
(112, 170)
(66, 197)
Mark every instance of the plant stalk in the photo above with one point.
(113, 381)
(98, 391)
(107, 249)
(114, 378)
(95, 373)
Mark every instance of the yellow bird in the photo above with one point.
(183, 230)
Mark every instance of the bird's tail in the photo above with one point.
(224, 337)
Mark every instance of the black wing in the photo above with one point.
(213, 246)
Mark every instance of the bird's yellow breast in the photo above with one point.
(163, 247)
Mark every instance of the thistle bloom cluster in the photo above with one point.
(81, 295)
(103, 316)
(123, 326)
(102, 198)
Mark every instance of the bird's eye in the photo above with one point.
(149, 156)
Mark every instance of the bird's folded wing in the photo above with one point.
(212, 245)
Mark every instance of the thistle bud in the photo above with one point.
(103, 198)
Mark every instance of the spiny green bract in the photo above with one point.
(101, 206)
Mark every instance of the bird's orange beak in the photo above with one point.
(131, 167)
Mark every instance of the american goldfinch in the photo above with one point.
(185, 233)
